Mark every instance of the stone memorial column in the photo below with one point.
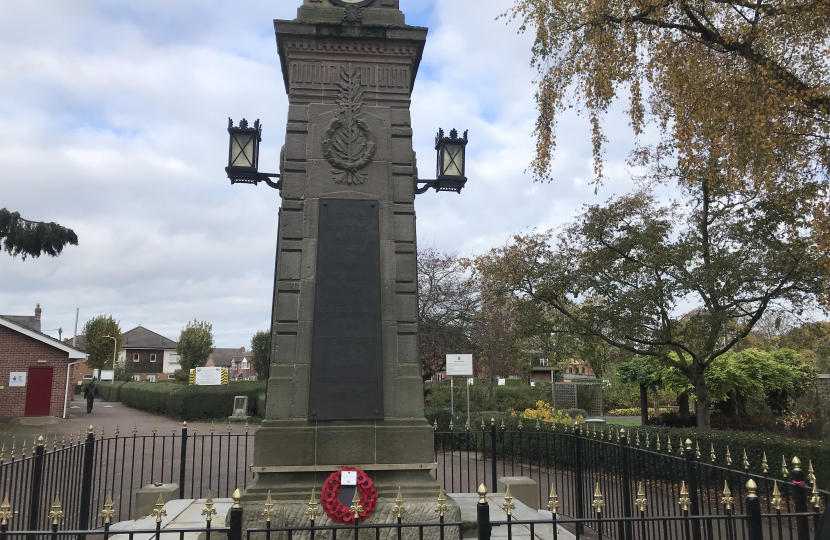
(345, 386)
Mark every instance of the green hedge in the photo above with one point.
(260, 405)
(189, 402)
(110, 391)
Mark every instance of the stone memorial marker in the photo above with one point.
(345, 386)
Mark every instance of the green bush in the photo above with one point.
(110, 391)
(516, 396)
(190, 402)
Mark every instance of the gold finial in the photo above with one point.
(399, 509)
(598, 503)
(618, 437)
(452, 427)
(712, 455)
(492, 421)
(658, 443)
(173, 431)
(237, 498)
(356, 507)
(697, 450)
(815, 498)
(135, 429)
(41, 441)
(2, 452)
(467, 425)
(441, 507)
(247, 426)
(22, 449)
(209, 511)
(784, 471)
(108, 513)
(811, 474)
(728, 456)
(63, 442)
(483, 427)
(777, 501)
(727, 500)
(622, 434)
(648, 442)
(482, 494)
(184, 424)
(5, 511)
(746, 461)
(312, 511)
(796, 464)
(641, 502)
(212, 427)
(230, 427)
(508, 505)
(502, 423)
(669, 448)
(685, 502)
(103, 433)
(752, 489)
(195, 429)
(638, 438)
(520, 424)
(117, 431)
(435, 425)
(553, 500)
(689, 444)
(268, 512)
(538, 426)
(155, 429)
(159, 511)
(91, 430)
(765, 464)
(56, 515)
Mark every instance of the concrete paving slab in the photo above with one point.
(468, 503)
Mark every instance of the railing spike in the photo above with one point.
(508, 505)
(815, 498)
(56, 515)
(209, 511)
(441, 507)
(399, 509)
(746, 461)
(777, 502)
(712, 455)
(108, 513)
(685, 502)
(642, 501)
(356, 507)
(728, 456)
(312, 511)
(6, 513)
(598, 503)
(784, 471)
(765, 464)
(159, 510)
(482, 494)
(727, 500)
(553, 500)
(811, 474)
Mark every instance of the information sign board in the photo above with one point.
(209, 376)
(17, 378)
(459, 365)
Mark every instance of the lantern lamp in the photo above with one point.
(243, 155)
(451, 165)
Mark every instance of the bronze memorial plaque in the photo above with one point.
(346, 356)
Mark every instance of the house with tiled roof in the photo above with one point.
(238, 361)
(34, 368)
(148, 356)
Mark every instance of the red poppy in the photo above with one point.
(341, 514)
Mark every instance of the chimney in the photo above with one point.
(37, 312)
(243, 349)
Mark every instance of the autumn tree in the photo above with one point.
(97, 343)
(447, 302)
(195, 344)
(33, 238)
(744, 85)
(623, 271)
(261, 349)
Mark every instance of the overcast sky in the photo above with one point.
(112, 122)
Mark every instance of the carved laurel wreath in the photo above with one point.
(347, 141)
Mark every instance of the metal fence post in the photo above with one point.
(86, 482)
(235, 532)
(183, 461)
(580, 500)
(754, 525)
(494, 454)
(800, 500)
(37, 484)
(691, 480)
(483, 514)
(625, 527)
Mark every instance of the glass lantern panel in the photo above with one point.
(453, 158)
(242, 150)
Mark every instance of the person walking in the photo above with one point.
(90, 393)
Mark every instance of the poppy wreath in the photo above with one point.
(331, 501)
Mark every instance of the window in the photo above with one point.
(135, 357)
(583, 371)
(152, 358)
(87, 377)
(245, 364)
(543, 362)
(151, 378)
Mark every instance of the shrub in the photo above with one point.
(545, 413)
(635, 411)
(574, 413)
(110, 391)
(190, 402)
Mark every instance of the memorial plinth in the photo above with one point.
(345, 385)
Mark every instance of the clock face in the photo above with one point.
(357, 3)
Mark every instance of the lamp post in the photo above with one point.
(451, 165)
(114, 349)
(243, 155)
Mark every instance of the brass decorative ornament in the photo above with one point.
(467, 426)
(784, 471)
(658, 443)
(441, 507)
(492, 421)
(648, 442)
(796, 464)
(815, 498)
(312, 511)
(638, 438)
(159, 510)
(399, 509)
(553, 500)
(502, 423)
(108, 513)
(508, 505)
(642, 501)
(452, 427)
(237, 498)
(777, 502)
(56, 515)
(765, 464)
(435, 425)
(483, 427)
(520, 424)
(230, 427)
(598, 503)
(356, 508)
(697, 450)
(212, 427)
(728, 501)
(247, 426)
(5, 511)
(811, 474)
(155, 430)
(752, 489)
(482, 494)
(135, 429)
(685, 502)
(538, 426)
(746, 461)
(209, 511)
(728, 456)
(669, 447)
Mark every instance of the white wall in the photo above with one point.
(171, 362)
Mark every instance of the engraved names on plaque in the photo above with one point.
(347, 354)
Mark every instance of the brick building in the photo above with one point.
(239, 362)
(34, 369)
(149, 356)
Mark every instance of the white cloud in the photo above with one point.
(112, 121)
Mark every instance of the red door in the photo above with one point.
(38, 392)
